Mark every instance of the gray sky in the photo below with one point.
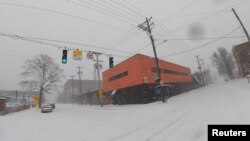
(113, 24)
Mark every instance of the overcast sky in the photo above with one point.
(112, 25)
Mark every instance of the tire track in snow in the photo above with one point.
(174, 122)
(133, 131)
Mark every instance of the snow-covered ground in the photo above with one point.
(184, 118)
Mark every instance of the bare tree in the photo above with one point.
(42, 73)
(224, 62)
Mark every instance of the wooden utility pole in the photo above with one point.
(97, 54)
(16, 96)
(146, 26)
(80, 83)
(204, 71)
(241, 24)
(72, 78)
(200, 68)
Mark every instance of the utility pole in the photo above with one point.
(80, 83)
(97, 54)
(95, 72)
(31, 89)
(16, 96)
(200, 68)
(72, 77)
(205, 72)
(146, 26)
(241, 24)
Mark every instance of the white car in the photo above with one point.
(46, 108)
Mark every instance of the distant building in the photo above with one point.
(241, 53)
(2, 103)
(72, 90)
(18, 96)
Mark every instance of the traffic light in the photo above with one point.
(111, 62)
(64, 56)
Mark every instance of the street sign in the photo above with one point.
(100, 92)
(90, 55)
(35, 100)
(77, 54)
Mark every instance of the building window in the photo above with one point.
(165, 71)
(118, 76)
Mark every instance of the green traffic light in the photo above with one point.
(64, 61)
(64, 56)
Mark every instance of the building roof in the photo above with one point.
(147, 57)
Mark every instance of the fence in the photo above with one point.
(8, 110)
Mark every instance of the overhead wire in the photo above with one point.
(180, 10)
(98, 5)
(227, 9)
(34, 39)
(63, 41)
(126, 38)
(204, 38)
(128, 9)
(105, 11)
(113, 10)
(118, 38)
(14, 55)
(139, 11)
(116, 10)
(160, 27)
(201, 46)
(100, 10)
(62, 13)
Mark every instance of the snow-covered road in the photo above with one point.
(184, 118)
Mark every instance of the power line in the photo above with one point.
(201, 46)
(162, 27)
(100, 10)
(13, 55)
(242, 25)
(180, 10)
(119, 37)
(200, 68)
(128, 9)
(61, 13)
(134, 10)
(122, 41)
(137, 8)
(209, 16)
(31, 39)
(205, 38)
(140, 11)
(113, 10)
(60, 41)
